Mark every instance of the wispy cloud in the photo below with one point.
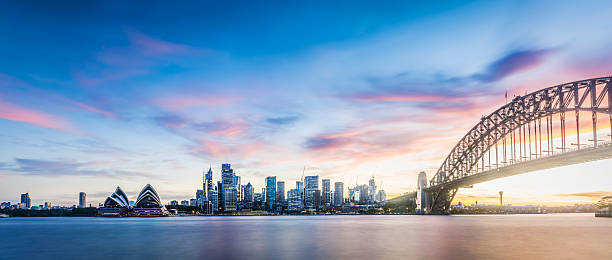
(514, 62)
(21, 114)
(151, 46)
(142, 56)
(36, 167)
(452, 91)
(178, 102)
(284, 120)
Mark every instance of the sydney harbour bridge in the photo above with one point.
(552, 127)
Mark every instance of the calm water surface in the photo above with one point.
(553, 236)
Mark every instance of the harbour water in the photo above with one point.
(548, 236)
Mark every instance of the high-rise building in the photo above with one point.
(421, 200)
(249, 193)
(174, 203)
(26, 201)
(230, 197)
(317, 199)
(280, 191)
(311, 185)
(47, 205)
(228, 201)
(381, 196)
(82, 200)
(184, 203)
(299, 185)
(193, 202)
(364, 195)
(338, 194)
(371, 190)
(326, 193)
(208, 185)
(271, 193)
(214, 200)
(237, 187)
(219, 189)
(294, 201)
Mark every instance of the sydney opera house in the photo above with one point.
(147, 204)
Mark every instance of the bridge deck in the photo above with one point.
(603, 151)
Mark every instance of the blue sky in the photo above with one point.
(99, 94)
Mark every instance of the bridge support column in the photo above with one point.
(440, 201)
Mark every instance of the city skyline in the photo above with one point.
(142, 101)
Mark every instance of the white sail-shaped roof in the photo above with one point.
(148, 198)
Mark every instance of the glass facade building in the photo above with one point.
(270, 193)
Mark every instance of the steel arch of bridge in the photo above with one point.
(590, 95)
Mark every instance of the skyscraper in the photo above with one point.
(299, 185)
(237, 185)
(208, 184)
(82, 200)
(206, 197)
(294, 201)
(371, 190)
(25, 200)
(311, 184)
(228, 201)
(249, 193)
(271, 193)
(280, 191)
(326, 193)
(421, 196)
(338, 194)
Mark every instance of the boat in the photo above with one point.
(4, 216)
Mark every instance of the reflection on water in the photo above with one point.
(554, 236)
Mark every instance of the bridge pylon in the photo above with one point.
(440, 200)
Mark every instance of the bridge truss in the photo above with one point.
(529, 128)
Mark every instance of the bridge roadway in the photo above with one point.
(586, 154)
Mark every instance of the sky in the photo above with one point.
(95, 95)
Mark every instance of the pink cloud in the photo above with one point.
(231, 128)
(15, 113)
(178, 102)
(93, 109)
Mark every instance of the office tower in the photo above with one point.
(174, 203)
(214, 200)
(199, 197)
(219, 191)
(248, 193)
(294, 200)
(280, 191)
(364, 196)
(228, 201)
(326, 193)
(371, 190)
(193, 202)
(185, 203)
(299, 185)
(207, 184)
(317, 199)
(338, 194)
(25, 200)
(311, 185)
(82, 200)
(421, 200)
(271, 193)
(381, 196)
(237, 187)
